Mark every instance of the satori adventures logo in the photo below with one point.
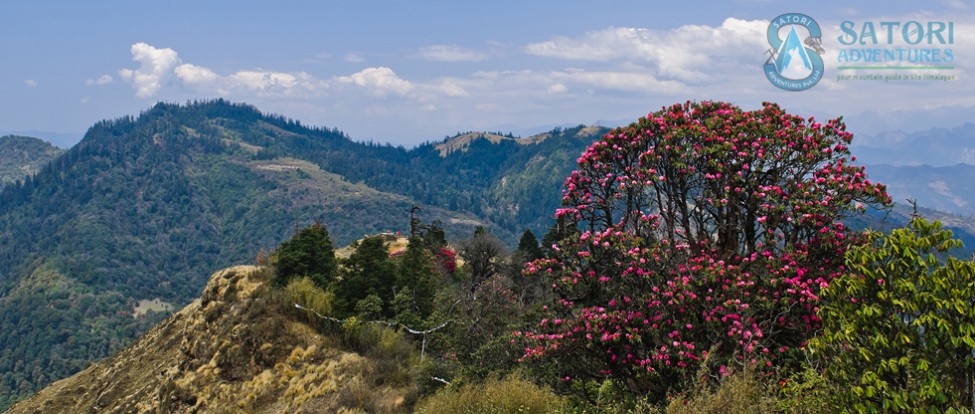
(795, 62)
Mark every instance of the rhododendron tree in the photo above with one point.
(702, 233)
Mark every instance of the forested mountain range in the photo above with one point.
(23, 156)
(937, 147)
(950, 189)
(146, 207)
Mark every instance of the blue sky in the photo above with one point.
(409, 71)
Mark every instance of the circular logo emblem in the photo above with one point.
(795, 62)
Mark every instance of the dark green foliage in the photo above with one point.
(528, 247)
(415, 282)
(308, 254)
(366, 273)
(555, 234)
(483, 255)
(54, 326)
(476, 342)
(370, 308)
(434, 235)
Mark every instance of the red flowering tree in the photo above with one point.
(699, 234)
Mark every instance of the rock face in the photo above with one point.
(237, 349)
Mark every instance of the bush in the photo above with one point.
(392, 351)
(510, 395)
(899, 328)
(370, 338)
(304, 293)
(740, 392)
(807, 392)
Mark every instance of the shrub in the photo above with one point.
(899, 328)
(384, 342)
(739, 393)
(510, 395)
(389, 348)
(305, 293)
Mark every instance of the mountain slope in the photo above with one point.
(949, 189)
(142, 208)
(938, 147)
(23, 156)
(135, 214)
(236, 349)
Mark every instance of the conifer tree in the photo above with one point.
(416, 280)
(528, 246)
(308, 253)
(367, 272)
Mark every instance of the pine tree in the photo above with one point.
(416, 279)
(528, 246)
(308, 253)
(366, 272)
(483, 255)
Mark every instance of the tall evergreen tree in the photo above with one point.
(528, 246)
(366, 272)
(434, 235)
(483, 254)
(308, 253)
(416, 280)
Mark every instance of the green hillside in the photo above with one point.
(23, 156)
(143, 208)
(105, 240)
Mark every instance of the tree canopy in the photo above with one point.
(309, 253)
(899, 329)
(700, 234)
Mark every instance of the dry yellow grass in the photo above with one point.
(234, 350)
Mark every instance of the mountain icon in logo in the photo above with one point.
(792, 61)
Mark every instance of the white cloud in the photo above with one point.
(155, 67)
(272, 83)
(688, 53)
(558, 88)
(622, 81)
(450, 53)
(381, 80)
(530, 83)
(452, 89)
(30, 83)
(354, 58)
(263, 80)
(102, 80)
(193, 74)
